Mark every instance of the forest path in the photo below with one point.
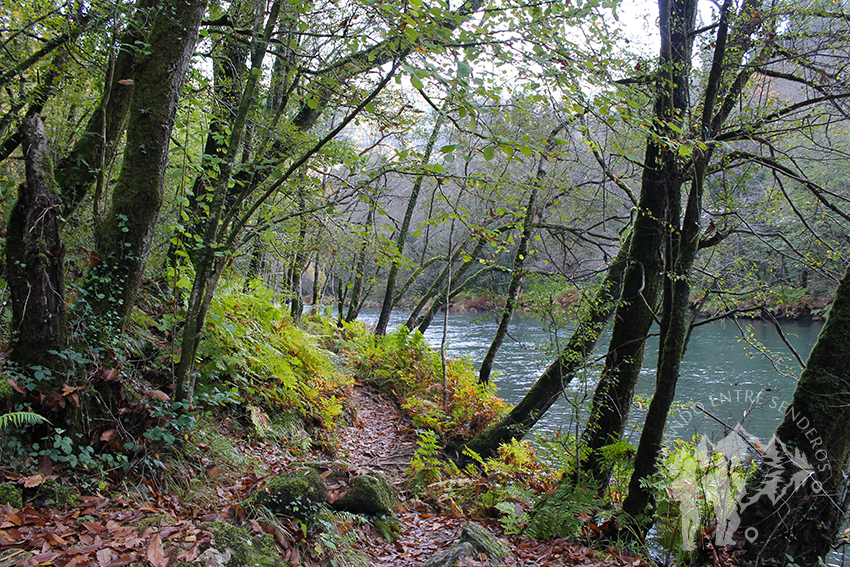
(382, 439)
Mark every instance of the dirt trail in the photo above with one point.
(382, 439)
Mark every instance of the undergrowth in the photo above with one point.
(253, 345)
(404, 365)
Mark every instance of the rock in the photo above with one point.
(214, 558)
(369, 494)
(485, 542)
(450, 556)
(12, 494)
(296, 493)
(233, 546)
(53, 495)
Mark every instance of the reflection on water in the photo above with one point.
(723, 371)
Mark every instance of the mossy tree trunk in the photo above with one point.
(93, 152)
(127, 230)
(35, 258)
(642, 278)
(682, 252)
(209, 259)
(796, 502)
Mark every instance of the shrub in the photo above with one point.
(402, 364)
(252, 344)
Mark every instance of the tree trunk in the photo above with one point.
(77, 172)
(517, 274)
(519, 261)
(389, 299)
(299, 261)
(209, 262)
(422, 322)
(642, 279)
(35, 258)
(318, 283)
(127, 231)
(359, 275)
(555, 378)
(803, 474)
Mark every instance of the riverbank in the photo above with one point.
(792, 305)
(306, 444)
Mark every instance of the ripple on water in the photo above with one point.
(717, 364)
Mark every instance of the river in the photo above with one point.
(722, 372)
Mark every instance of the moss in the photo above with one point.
(485, 542)
(11, 494)
(157, 520)
(59, 496)
(244, 548)
(370, 494)
(297, 493)
(8, 395)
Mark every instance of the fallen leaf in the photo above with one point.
(126, 82)
(81, 559)
(104, 557)
(93, 527)
(157, 394)
(155, 553)
(34, 480)
(108, 435)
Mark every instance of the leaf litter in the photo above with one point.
(162, 529)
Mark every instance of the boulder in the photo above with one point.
(451, 555)
(370, 494)
(233, 546)
(297, 494)
(484, 542)
(475, 541)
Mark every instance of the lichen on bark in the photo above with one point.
(35, 258)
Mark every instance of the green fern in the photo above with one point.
(562, 513)
(18, 419)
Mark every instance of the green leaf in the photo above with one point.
(463, 70)
(488, 153)
(416, 83)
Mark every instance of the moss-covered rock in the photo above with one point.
(54, 495)
(450, 556)
(370, 494)
(233, 546)
(12, 494)
(484, 542)
(8, 395)
(296, 493)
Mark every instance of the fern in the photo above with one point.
(562, 513)
(18, 419)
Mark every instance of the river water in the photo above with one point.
(725, 371)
